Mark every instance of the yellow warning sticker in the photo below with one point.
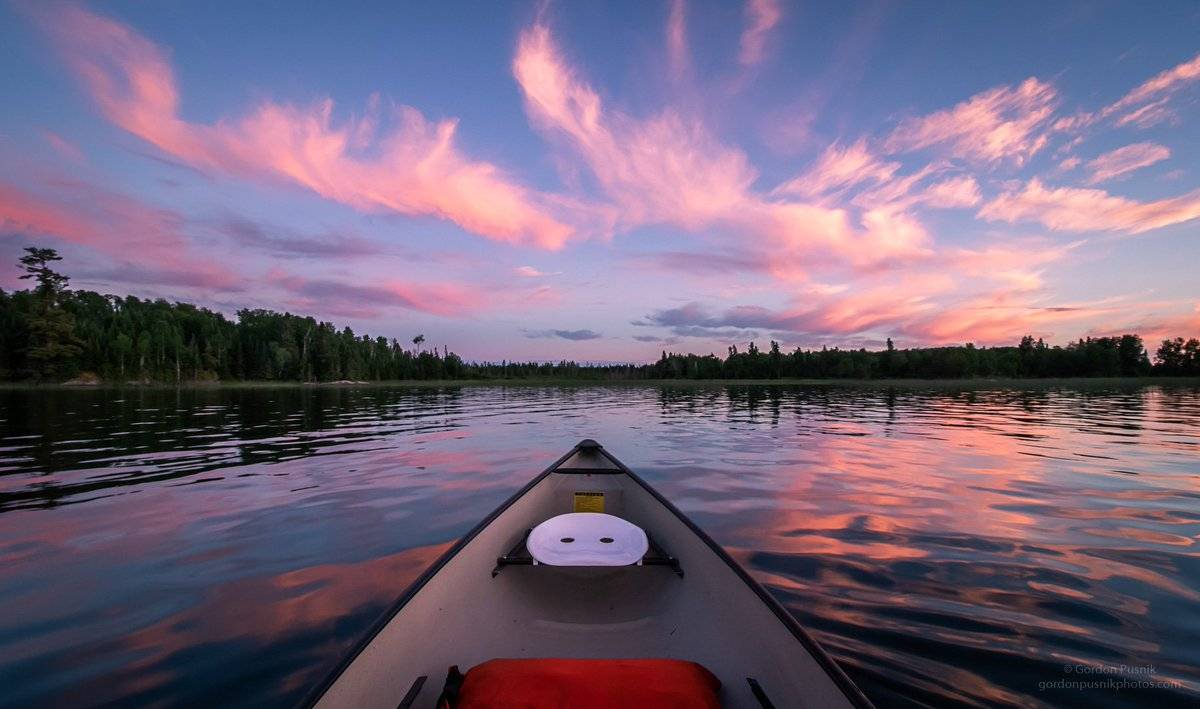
(589, 502)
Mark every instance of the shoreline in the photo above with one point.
(997, 383)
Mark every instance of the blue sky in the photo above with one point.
(675, 175)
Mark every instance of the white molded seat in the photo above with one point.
(587, 539)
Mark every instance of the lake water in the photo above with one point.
(225, 546)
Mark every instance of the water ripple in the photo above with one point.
(968, 546)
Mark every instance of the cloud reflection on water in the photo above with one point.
(226, 545)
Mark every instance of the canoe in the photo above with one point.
(490, 597)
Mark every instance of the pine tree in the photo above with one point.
(53, 345)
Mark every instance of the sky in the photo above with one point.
(603, 181)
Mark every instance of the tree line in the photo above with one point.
(53, 333)
(1123, 356)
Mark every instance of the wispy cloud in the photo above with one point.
(664, 169)
(852, 244)
(392, 160)
(924, 188)
(845, 314)
(761, 18)
(839, 168)
(146, 241)
(336, 297)
(678, 59)
(1149, 115)
(576, 335)
(990, 295)
(704, 263)
(531, 272)
(1155, 322)
(1006, 123)
(668, 169)
(286, 243)
(1125, 160)
(928, 311)
(1000, 317)
(63, 147)
(960, 191)
(1146, 104)
(1078, 209)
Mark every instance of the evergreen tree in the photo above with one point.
(53, 345)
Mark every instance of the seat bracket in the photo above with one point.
(519, 556)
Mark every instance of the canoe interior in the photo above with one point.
(463, 616)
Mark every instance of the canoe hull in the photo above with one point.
(458, 613)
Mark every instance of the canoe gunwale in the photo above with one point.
(319, 690)
(851, 691)
(827, 663)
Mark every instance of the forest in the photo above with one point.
(50, 333)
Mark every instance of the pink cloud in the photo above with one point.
(837, 169)
(961, 191)
(677, 49)
(399, 162)
(1154, 91)
(1144, 106)
(788, 129)
(365, 295)
(142, 272)
(999, 296)
(1016, 263)
(922, 308)
(900, 192)
(903, 192)
(24, 213)
(1155, 325)
(932, 308)
(282, 242)
(826, 311)
(872, 309)
(1071, 124)
(1004, 123)
(884, 236)
(991, 295)
(1125, 160)
(368, 300)
(145, 243)
(531, 272)
(912, 190)
(800, 236)
(893, 234)
(1000, 317)
(1074, 209)
(1149, 115)
(667, 169)
(894, 307)
(761, 18)
(63, 147)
